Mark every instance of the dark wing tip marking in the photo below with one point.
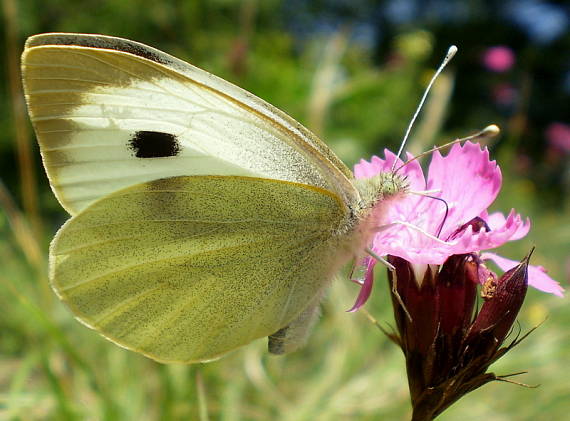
(148, 144)
(99, 41)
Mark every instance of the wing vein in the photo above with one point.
(103, 275)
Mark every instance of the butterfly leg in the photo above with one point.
(295, 334)
(392, 269)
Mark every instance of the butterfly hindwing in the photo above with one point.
(110, 113)
(189, 268)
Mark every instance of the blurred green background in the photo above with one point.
(352, 71)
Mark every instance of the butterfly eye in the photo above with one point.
(148, 144)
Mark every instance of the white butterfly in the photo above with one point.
(202, 217)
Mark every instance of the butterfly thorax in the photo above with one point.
(377, 194)
(381, 187)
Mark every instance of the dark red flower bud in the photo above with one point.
(448, 350)
(457, 291)
(415, 307)
(503, 300)
(415, 311)
(457, 288)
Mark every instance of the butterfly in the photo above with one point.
(202, 217)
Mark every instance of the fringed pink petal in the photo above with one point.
(469, 181)
(416, 247)
(497, 220)
(537, 276)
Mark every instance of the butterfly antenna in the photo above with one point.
(488, 132)
(450, 53)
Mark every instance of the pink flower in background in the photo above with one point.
(498, 59)
(558, 136)
(469, 183)
(504, 94)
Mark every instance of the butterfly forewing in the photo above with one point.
(110, 113)
(189, 268)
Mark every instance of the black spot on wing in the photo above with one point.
(148, 144)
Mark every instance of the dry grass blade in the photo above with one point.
(22, 132)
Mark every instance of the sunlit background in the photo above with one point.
(353, 72)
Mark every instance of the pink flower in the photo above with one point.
(558, 136)
(437, 247)
(498, 59)
(469, 183)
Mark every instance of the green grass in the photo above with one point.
(54, 368)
